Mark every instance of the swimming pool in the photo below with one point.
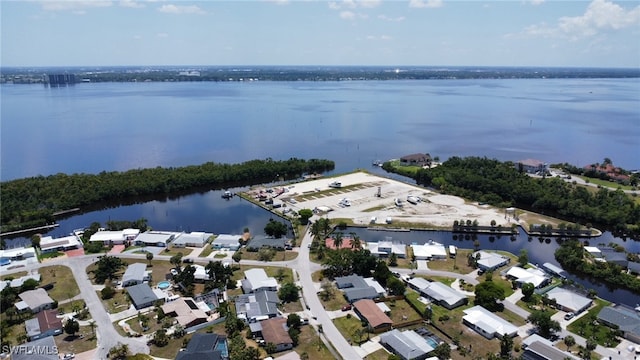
(222, 347)
(163, 285)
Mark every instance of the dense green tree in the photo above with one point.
(393, 260)
(396, 287)
(506, 345)
(71, 327)
(289, 292)
(305, 215)
(545, 326)
(107, 267)
(275, 229)
(486, 295)
(442, 351)
(176, 260)
(293, 320)
(107, 292)
(149, 257)
(160, 338)
(382, 273)
(569, 341)
(527, 291)
(523, 258)
(219, 274)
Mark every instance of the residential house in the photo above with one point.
(35, 300)
(275, 331)
(205, 346)
(429, 251)
(490, 261)
(532, 166)
(141, 295)
(201, 274)
(408, 345)
(256, 280)
(260, 305)
(193, 239)
(625, 319)
(386, 248)
(347, 243)
(155, 238)
(416, 160)
(569, 301)
(135, 274)
(258, 242)
(376, 319)
(227, 241)
(615, 257)
(634, 267)
(444, 295)
(554, 270)
(538, 348)
(115, 237)
(46, 323)
(356, 287)
(487, 323)
(186, 311)
(533, 276)
(49, 244)
(42, 349)
(19, 253)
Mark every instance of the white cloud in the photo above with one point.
(74, 6)
(347, 15)
(425, 3)
(387, 18)
(131, 4)
(536, 2)
(353, 4)
(181, 9)
(600, 15)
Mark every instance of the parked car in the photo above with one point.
(68, 356)
(346, 308)
(187, 261)
(174, 272)
(569, 316)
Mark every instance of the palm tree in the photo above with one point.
(356, 243)
(337, 240)
(92, 325)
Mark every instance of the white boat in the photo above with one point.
(227, 195)
(452, 251)
(398, 202)
(413, 200)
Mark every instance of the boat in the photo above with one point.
(335, 185)
(398, 202)
(227, 195)
(413, 200)
(377, 163)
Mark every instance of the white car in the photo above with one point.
(174, 272)
(68, 356)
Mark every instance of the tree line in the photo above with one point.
(31, 202)
(503, 185)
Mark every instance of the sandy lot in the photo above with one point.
(360, 189)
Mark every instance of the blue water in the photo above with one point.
(163, 285)
(221, 346)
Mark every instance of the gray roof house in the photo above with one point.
(41, 349)
(490, 261)
(258, 242)
(203, 347)
(615, 257)
(34, 300)
(409, 345)
(155, 238)
(141, 295)
(257, 306)
(193, 239)
(226, 241)
(356, 287)
(569, 301)
(633, 267)
(135, 274)
(626, 319)
(444, 295)
(538, 348)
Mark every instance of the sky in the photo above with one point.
(598, 33)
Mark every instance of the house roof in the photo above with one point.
(134, 272)
(256, 279)
(45, 349)
(626, 319)
(381, 247)
(345, 244)
(48, 242)
(372, 313)
(274, 331)
(374, 284)
(419, 283)
(408, 344)
(227, 239)
(114, 235)
(488, 322)
(192, 238)
(523, 276)
(634, 267)
(141, 294)
(260, 241)
(546, 351)
(429, 250)
(255, 305)
(350, 281)
(555, 269)
(36, 298)
(569, 299)
(531, 162)
(202, 347)
(443, 293)
(354, 294)
(491, 260)
(155, 237)
(48, 320)
(186, 311)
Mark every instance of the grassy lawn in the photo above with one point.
(335, 301)
(292, 307)
(279, 255)
(348, 328)
(50, 255)
(401, 311)
(77, 344)
(119, 302)
(152, 324)
(412, 297)
(587, 327)
(381, 354)
(13, 276)
(606, 183)
(65, 284)
(206, 251)
(309, 342)
(458, 264)
(170, 350)
(68, 307)
(175, 251)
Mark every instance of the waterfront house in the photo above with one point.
(487, 323)
(193, 239)
(554, 270)
(416, 160)
(35, 300)
(429, 251)
(376, 319)
(275, 331)
(385, 248)
(533, 276)
(155, 238)
(567, 300)
(624, 319)
(227, 241)
(258, 242)
(490, 261)
(19, 253)
(408, 345)
(135, 274)
(46, 323)
(532, 166)
(49, 244)
(256, 280)
(115, 237)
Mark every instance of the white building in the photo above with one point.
(115, 237)
(490, 261)
(534, 276)
(19, 253)
(193, 239)
(34, 300)
(135, 274)
(156, 238)
(570, 301)
(487, 323)
(201, 273)
(257, 279)
(227, 241)
(386, 248)
(429, 251)
(49, 244)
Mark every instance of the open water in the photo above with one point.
(118, 126)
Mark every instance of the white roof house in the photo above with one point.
(569, 300)
(48, 243)
(430, 250)
(593, 251)
(418, 283)
(257, 279)
(534, 276)
(115, 237)
(406, 344)
(35, 300)
(193, 239)
(444, 295)
(156, 238)
(16, 283)
(490, 261)
(18, 253)
(201, 273)
(487, 323)
(227, 241)
(386, 248)
(135, 274)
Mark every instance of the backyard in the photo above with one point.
(65, 286)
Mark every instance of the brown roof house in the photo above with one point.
(46, 323)
(416, 160)
(368, 310)
(275, 331)
(186, 312)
